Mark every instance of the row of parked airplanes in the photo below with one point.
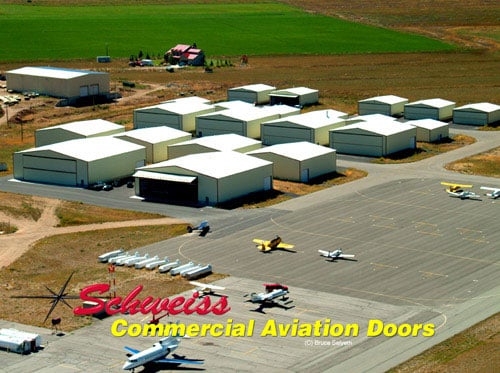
(461, 191)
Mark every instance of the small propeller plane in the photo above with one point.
(275, 295)
(274, 244)
(205, 289)
(336, 254)
(156, 354)
(495, 192)
(203, 228)
(458, 191)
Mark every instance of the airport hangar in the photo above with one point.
(80, 162)
(434, 108)
(312, 126)
(76, 130)
(297, 96)
(156, 140)
(387, 105)
(58, 82)
(430, 130)
(205, 178)
(479, 114)
(208, 144)
(373, 139)
(298, 161)
(253, 93)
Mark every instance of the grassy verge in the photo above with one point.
(485, 164)
(7, 228)
(19, 206)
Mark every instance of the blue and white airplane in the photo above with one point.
(203, 228)
(156, 354)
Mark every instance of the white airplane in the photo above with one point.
(203, 228)
(107, 256)
(156, 354)
(458, 191)
(275, 295)
(495, 192)
(157, 263)
(131, 261)
(336, 254)
(205, 289)
(146, 261)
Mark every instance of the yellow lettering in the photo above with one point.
(114, 328)
(269, 329)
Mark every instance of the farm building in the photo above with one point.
(430, 130)
(387, 105)
(156, 141)
(253, 93)
(434, 108)
(178, 115)
(373, 140)
(58, 82)
(312, 126)
(208, 144)
(480, 114)
(183, 54)
(206, 178)
(298, 96)
(76, 130)
(79, 162)
(298, 161)
(14, 340)
(243, 121)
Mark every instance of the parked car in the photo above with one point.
(107, 187)
(96, 186)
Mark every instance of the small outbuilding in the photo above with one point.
(204, 179)
(76, 130)
(479, 114)
(79, 162)
(387, 105)
(313, 127)
(253, 93)
(430, 130)
(298, 96)
(434, 108)
(298, 161)
(156, 140)
(180, 115)
(373, 140)
(20, 342)
(208, 144)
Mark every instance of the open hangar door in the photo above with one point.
(167, 187)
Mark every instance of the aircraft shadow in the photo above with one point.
(335, 260)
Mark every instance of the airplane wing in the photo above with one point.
(131, 350)
(283, 245)
(260, 242)
(208, 286)
(178, 361)
(346, 256)
(456, 185)
(323, 253)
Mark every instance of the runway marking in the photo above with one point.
(432, 274)
(250, 351)
(472, 235)
(349, 219)
(384, 265)
(383, 222)
(427, 228)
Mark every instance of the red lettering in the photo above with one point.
(189, 302)
(146, 308)
(203, 307)
(221, 307)
(101, 288)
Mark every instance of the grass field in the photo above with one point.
(67, 32)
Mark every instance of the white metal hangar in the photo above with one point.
(430, 130)
(373, 140)
(370, 118)
(206, 178)
(297, 96)
(434, 108)
(208, 144)
(58, 82)
(388, 105)
(253, 93)
(76, 130)
(156, 141)
(479, 114)
(179, 115)
(79, 162)
(313, 126)
(298, 161)
(244, 121)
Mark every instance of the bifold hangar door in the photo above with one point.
(167, 187)
(50, 170)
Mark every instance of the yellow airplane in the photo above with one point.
(457, 190)
(274, 244)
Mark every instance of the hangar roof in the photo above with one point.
(370, 118)
(217, 164)
(429, 124)
(154, 135)
(190, 99)
(387, 99)
(384, 128)
(432, 102)
(254, 88)
(178, 107)
(296, 91)
(87, 127)
(89, 149)
(299, 151)
(53, 72)
(313, 119)
(485, 107)
(225, 142)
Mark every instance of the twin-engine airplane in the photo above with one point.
(274, 244)
(205, 289)
(275, 295)
(458, 191)
(336, 254)
(203, 228)
(156, 354)
(495, 192)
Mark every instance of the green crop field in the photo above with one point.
(31, 32)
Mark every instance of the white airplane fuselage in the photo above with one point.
(263, 297)
(158, 351)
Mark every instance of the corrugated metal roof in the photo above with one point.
(382, 128)
(432, 102)
(217, 164)
(296, 91)
(179, 107)
(313, 119)
(224, 142)
(300, 151)
(485, 107)
(190, 99)
(87, 127)
(369, 118)
(165, 177)
(429, 124)
(53, 72)
(154, 135)
(387, 99)
(253, 88)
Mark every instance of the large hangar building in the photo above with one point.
(434, 108)
(430, 130)
(76, 130)
(313, 126)
(253, 93)
(387, 105)
(479, 114)
(79, 162)
(298, 161)
(297, 96)
(58, 82)
(206, 178)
